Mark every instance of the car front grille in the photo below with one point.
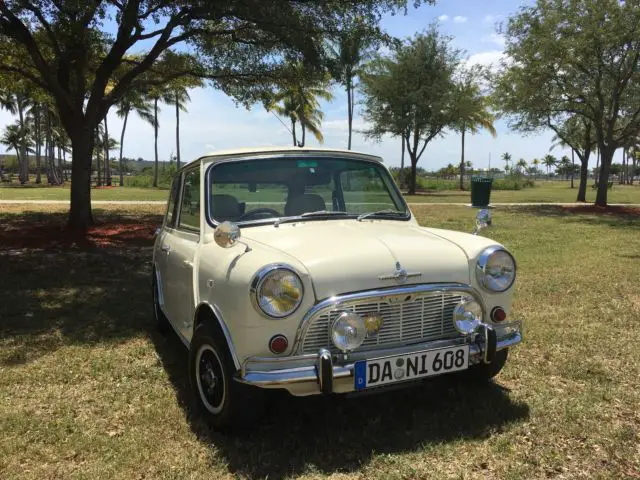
(407, 320)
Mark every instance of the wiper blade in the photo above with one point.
(388, 211)
(321, 213)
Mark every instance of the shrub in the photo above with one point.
(512, 183)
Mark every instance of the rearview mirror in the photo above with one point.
(483, 220)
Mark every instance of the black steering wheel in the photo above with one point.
(259, 213)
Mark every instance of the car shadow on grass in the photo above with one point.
(341, 434)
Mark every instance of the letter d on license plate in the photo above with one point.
(399, 368)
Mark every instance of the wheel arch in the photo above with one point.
(207, 313)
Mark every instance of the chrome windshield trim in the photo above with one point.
(378, 295)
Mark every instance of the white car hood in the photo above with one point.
(344, 256)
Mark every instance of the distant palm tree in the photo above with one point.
(521, 165)
(12, 138)
(178, 95)
(472, 112)
(506, 156)
(132, 101)
(549, 161)
(347, 54)
(298, 101)
(536, 163)
(156, 94)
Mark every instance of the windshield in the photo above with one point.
(313, 188)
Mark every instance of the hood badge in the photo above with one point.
(400, 274)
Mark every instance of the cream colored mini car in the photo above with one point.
(305, 270)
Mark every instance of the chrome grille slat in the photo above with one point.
(422, 318)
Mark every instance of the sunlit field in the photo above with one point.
(89, 389)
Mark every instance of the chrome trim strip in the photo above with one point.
(217, 313)
(378, 295)
(256, 283)
(481, 265)
(309, 374)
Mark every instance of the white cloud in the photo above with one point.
(490, 18)
(443, 18)
(459, 19)
(494, 38)
(490, 58)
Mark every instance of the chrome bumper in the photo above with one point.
(321, 373)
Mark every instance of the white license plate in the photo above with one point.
(399, 368)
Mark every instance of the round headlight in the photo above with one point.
(496, 269)
(348, 331)
(467, 316)
(278, 291)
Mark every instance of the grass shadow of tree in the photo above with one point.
(615, 217)
(340, 434)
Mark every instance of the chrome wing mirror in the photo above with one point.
(227, 234)
(483, 220)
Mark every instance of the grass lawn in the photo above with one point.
(33, 192)
(545, 192)
(88, 389)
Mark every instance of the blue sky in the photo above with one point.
(214, 122)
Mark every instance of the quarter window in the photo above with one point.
(190, 202)
(173, 200)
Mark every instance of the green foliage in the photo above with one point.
(512, 182)
(410, 92)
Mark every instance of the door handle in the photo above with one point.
(166, 249)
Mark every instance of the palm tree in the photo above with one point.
(549, 161)
(521, 165)
(178, 95)
(472, 112)
(536, 163)
(506, 156)
(132, 101)
(352, 47)
(298, 101)
(155, 94)
(12, 138)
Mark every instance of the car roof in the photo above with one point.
(268, 152)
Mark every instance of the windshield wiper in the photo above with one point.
(387, 211)
(321, 213)
(318, 213)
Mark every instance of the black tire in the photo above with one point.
(483, 372)
(224, 402)
(162, 322)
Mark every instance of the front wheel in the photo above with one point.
(224, 402)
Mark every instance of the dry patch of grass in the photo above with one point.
(89, 390)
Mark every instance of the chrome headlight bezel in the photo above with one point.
(357, 325)
(258, 282)
(468, 315)
(482, 265)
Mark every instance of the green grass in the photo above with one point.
(33, 192)
(88, 389)
(544, 192)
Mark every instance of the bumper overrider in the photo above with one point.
(327, 373)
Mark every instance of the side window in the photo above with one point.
(173, 201)
(190, 202)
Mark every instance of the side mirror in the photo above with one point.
(226, 234)
(483, 220)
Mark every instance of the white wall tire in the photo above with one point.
(210, 379)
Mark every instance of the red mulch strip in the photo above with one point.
(619, 210)
(45, 235)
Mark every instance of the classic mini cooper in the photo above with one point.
(304, 269)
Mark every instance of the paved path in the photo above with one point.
(162, 202)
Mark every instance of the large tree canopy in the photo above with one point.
(410, 93)
(575, 58)
(74, 49)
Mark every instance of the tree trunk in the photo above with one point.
(107, 164)
(98, 169)
(82, 141)
(304, 134)
(124, 127)
(177, 131)
(412, 181)
(606, 155)
(293, 132)
(400, 177)
(349, 111)
(36, 121)
(573, 165)
(584, 177)
(155, 133)
(462, 161)
(23, 159)
(595, 176)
